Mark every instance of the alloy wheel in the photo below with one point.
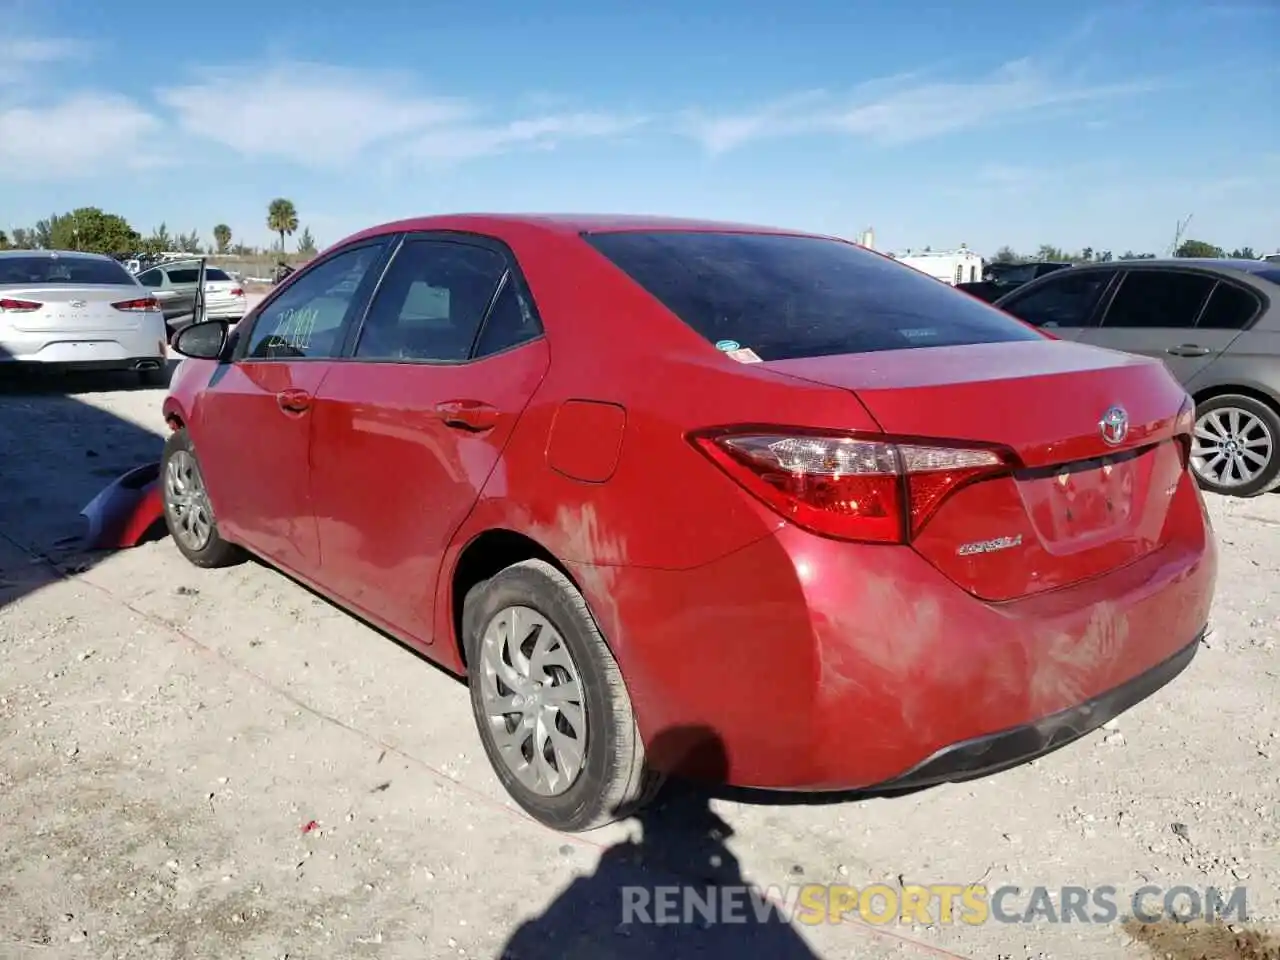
(1231, 447)
(187, 502)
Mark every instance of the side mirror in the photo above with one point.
(205, 340)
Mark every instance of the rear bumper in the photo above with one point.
(985, 755)
(830, 666)
(93, 348)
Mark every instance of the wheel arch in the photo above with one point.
(1257, 393)
(486, 554)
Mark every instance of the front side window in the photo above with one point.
(1158, 298)
(786, 297)
(306, 319)
(431, 301)
(1064, 301)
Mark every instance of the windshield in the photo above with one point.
(43, 269)
(784, 297)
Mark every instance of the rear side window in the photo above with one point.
(1229, 308)
(1158, 298)
(45, 269)
(184, 275)
(785, 297)
(430, 303)
(1064, 301)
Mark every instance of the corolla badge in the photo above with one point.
(1114, 426)
(989, 546)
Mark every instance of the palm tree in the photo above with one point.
(222, 237)
(282, 218)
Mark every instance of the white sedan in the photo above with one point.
(78, 310)
(174, 285)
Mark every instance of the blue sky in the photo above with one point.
(937, 123)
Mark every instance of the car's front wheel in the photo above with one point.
(1234, 449)
(187, 511)
(550, 702)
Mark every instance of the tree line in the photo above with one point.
(94, 230)
(1199, 249)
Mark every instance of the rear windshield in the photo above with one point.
(785, 297)
(213, 273)
(37, 269)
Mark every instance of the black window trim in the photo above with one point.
(1215, 275)
(359, 302)
(1060, 276)
(511, 274)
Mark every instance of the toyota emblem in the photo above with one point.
(1114, 426)
(75, 303)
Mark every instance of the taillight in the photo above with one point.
(237, 292)
(875, 491)
(19, 306)
(142, 305)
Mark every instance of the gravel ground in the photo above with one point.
(218, 764)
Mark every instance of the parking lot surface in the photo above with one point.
(219, 764)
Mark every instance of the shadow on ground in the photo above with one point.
(675, 891)
(56, 453)
(1170, 940)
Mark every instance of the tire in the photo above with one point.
(1260, 429)
(206, 551)
(612, 781)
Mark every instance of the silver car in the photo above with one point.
(175, 283)
(78, 310)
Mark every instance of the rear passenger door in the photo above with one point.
(1156, 313)
(1065, 305)
(411, 423)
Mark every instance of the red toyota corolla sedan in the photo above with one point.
(654, 485)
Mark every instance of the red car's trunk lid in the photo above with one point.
(1078, 505)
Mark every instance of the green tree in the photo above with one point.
(23, 239)
(160, 240)
(1198, 248)
(1006, 255)
(88, 229)
(222, 237)
(306, 243)
(4, 240)
(1243, 253)
(1048, 251)
(282, 218)
(188, 242)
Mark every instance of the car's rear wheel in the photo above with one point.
(550, 702)
(1234, 451)
(187, 511)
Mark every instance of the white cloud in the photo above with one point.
(907, 109)
(22, 56)
(83, 135)
(316, 115)
(305, 113)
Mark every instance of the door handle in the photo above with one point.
(294, 401)
(467, 414)
(1189, 350)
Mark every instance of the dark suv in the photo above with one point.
(1215, 323)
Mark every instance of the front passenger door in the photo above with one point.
(1065, 304)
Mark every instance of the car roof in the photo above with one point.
(1210, 263)
(571, 224)
(60, 254)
